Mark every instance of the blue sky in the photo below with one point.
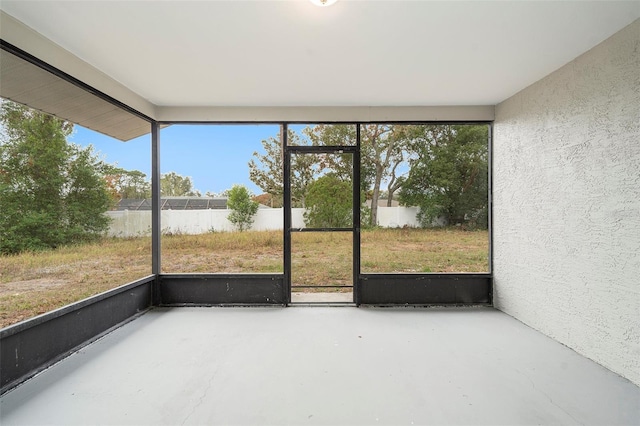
(214, 156)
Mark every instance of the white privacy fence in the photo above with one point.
(138, 223)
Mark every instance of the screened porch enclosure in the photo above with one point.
(328, 178)
(441, 230)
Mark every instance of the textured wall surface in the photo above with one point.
(567, 204)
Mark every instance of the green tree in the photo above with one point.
(329, 203)
(243, 208)
(382, 150)
(340, 164)
(51, 192)
(175, 185)
(266, 171)
(448, 174)
(127, 184)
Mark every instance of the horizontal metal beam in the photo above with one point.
(324, 149)
(327, 114)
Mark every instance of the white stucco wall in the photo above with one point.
(567, 204)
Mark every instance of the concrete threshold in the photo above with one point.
(321, 297)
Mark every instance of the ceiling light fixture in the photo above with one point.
(323, 3)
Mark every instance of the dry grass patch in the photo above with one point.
(411, 250)
(321, 259)
(34, 283)
(233, 252)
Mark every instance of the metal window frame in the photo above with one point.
(416, 289)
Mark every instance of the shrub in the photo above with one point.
(243, 208)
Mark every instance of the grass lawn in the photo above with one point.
(34, 283)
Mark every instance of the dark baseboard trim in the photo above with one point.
(221, 289)
(424, 289)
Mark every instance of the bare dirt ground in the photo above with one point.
(17, 287)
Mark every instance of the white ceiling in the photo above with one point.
(354, 53)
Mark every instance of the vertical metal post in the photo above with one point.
(490, 202)
(156, 267)
(286, 206)
(356, 218)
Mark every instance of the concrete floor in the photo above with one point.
(321, 297)
(322, 365)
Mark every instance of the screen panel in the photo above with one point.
(426, 189)
(61, 238)
(221, 199)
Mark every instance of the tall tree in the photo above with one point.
(383, 149)
(52, 192)
(127, 184)
(448, 174)
(266, 171)
(397, 155)
(340, 164)
(175, 185)
(304, 167)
